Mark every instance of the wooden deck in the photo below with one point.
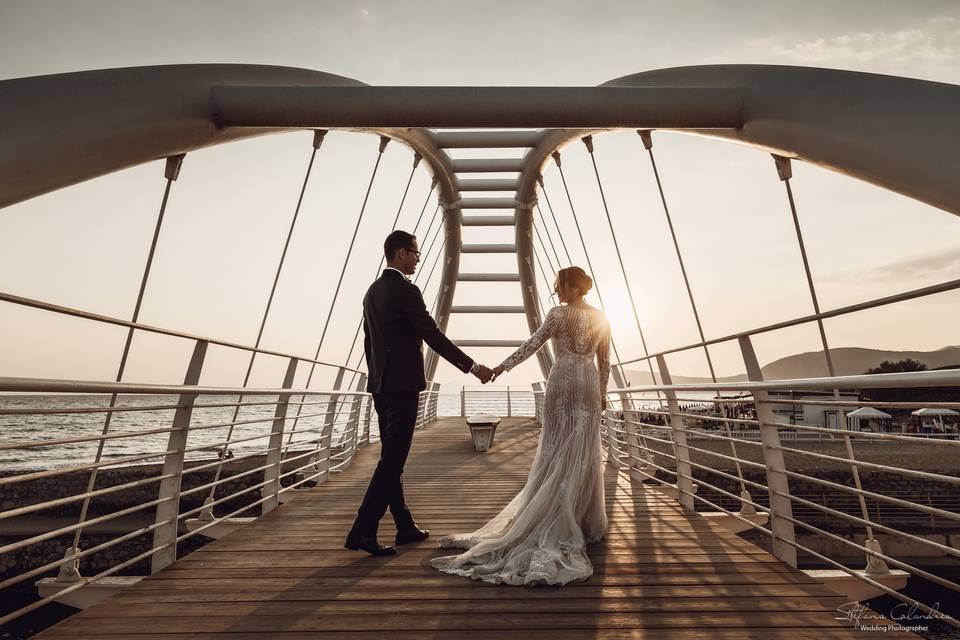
(660, 573)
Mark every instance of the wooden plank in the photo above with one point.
(661, 572)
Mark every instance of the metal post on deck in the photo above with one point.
(274, 461)
(435, 400)
(633, 449)
(778, 488)
(509, 408)
(678, 432)
(463, 402)
(875, 564)
(168, 510)
(353, 422)
(325, 444)
(365, 439)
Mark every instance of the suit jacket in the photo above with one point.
(395, 326)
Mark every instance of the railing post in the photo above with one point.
(463, 402)
(435, 400)
(366, 421)
(781, 507)
(274, 461)
(169, 510)
(632, 454)
(679, 437)
(509, 407)
(325, 446)
(353, 422)
(421, 409)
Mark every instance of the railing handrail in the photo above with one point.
(96, 317)
(943, 287)
(52, 385)
(944, 378)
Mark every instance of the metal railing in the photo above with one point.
(812, 486)
(502, 401)
(155, 478)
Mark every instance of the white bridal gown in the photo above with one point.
(539, 537)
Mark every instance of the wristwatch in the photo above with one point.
(475, 367)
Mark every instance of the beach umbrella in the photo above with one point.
(868, 413)
(934, 413)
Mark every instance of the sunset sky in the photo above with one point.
(85, 246)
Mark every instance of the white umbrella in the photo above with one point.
(934, 412)
(868, 412)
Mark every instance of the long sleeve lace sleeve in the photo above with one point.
(603, 359)
(535, 341)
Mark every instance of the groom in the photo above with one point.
(395, 325)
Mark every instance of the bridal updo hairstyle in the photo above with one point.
(574, 277)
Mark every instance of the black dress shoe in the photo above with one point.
(407, 536)
(368, 544)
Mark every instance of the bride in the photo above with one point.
(540, 536)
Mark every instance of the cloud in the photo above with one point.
(929, 49)
(937, 41)
(943, 265)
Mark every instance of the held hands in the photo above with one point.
(483, 373)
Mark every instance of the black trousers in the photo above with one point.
(397, 414)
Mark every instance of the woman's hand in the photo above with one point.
(496, 372)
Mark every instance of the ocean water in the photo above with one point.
(28, 440)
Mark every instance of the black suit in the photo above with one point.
(395, 326)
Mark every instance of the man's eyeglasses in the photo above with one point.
(412, 251)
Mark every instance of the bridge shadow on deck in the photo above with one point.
(661, 572)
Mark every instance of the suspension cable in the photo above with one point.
(433, 218)
(785, 172)
(546, 196)
(436, 258)
(546, 231)
(543, 274)
(313, 365)
(318, 137)
(426, 255)
(426, 201)
(647, 139)
(546, 255)
(416, 162)
(433, 241)
(573, 213)
(588, 143)
(171, 173)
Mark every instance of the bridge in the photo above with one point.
(661, 571)
(710, 500)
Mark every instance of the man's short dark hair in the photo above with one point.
(397, 240)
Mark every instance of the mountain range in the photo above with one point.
(846, 361)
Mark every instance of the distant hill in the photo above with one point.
(846, 360)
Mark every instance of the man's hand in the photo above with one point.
(496, 372)
(483, 373)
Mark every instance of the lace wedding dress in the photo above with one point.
(540, 536)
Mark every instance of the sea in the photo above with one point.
(30, 441)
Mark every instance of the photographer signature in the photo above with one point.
(856, 613)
